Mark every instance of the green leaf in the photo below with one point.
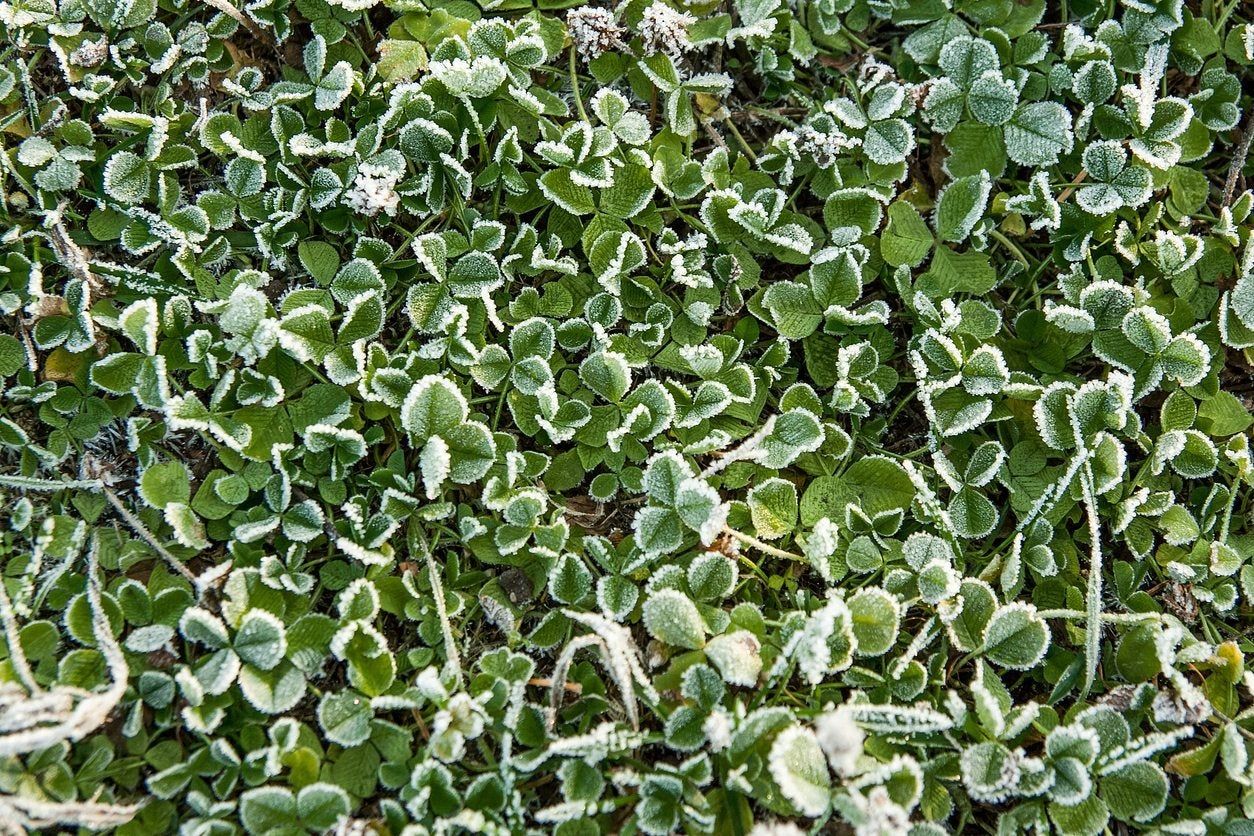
(400, 60)
(773, 506)
(267, 810)
(1223, 414)
(960, 205)
(952, 272)
(345, 717)
(906, 239)
(874, 483)
(1135, 793)
(433, 406)
(557, 186)
(261, 640)
(799, 769)
(127, 178)
(632, 191)
(164, 483)
(1038, 133)
(876, 620)
(321, 806)
(320, 259)
(671, 617)
(1016, 637)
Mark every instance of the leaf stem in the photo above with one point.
(740, 140)
(765, 548)
(1239, 157)
(1001, 238)
(574, 86)
(137, 525)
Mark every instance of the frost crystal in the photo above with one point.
(737, 656)
(821, 545)
(90, 53)
(373, 190)
(879, 815)
(718, 730)
(776, 828)
(594, 32)
(841, 740)
(823, 146)
(666, 30)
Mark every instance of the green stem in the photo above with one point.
(1106, 617)
(574, 86)
(740, 140)
(1000, 238)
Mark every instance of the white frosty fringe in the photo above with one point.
(32, 718)
(620, 656)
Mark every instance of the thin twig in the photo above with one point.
(545, 682)
(1239, 158)
(137, 525)
(714, 135)
(1066, 193)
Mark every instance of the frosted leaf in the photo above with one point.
(799, 769)
(671, 617)
(736, 656)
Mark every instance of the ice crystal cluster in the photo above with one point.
(677, 416)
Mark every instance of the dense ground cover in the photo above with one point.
(706, 417)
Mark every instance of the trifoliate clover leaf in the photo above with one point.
(1113, 182)
(453, 448)
(965, 59)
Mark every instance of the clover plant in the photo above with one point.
(672, 416)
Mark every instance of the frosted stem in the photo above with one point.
(137, 525)
(453, 658)
(765, 548)
(1093, 596)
